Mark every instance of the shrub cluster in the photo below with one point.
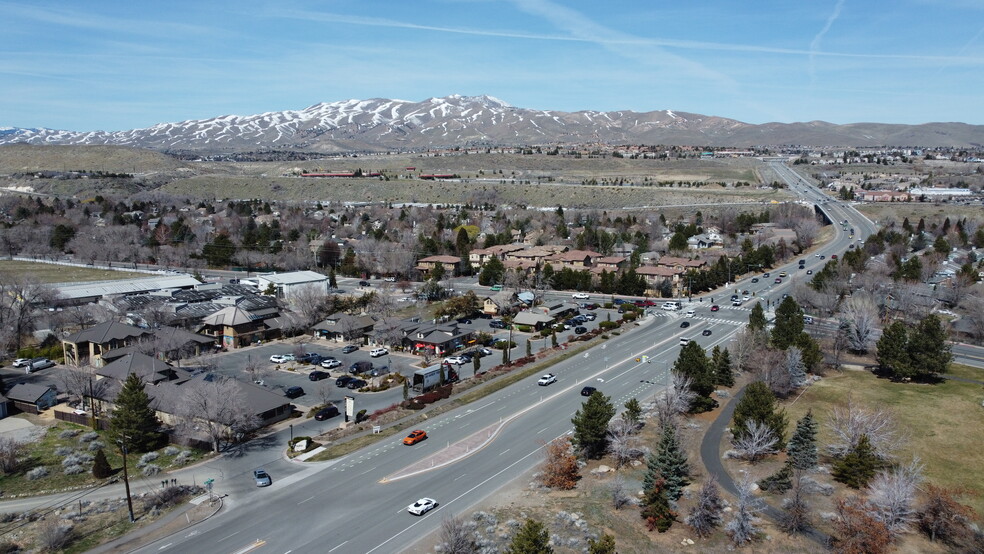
(438, 393)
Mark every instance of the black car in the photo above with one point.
(360, 367)
(497, 324)
(685, 324)
(464, 320)
(466, 356)
(580, 330)
(356, 384)
(294, 392)
(309, 358)
(588, 391)
(364, 284)
(706, 332)
(318, 375)
(349, 349)
(343, 380)
(327, 412)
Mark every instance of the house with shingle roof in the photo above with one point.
(341, 327)
(150, 370)
(88, 345)
(234, 327)
(31, 398)
(450, 264)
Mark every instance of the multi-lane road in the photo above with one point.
(353, 504)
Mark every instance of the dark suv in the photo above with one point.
(497, 324)
(294, 392)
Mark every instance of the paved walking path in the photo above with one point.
(710, 455)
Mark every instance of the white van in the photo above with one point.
(684, 341)
(691, 312)
(671, 306)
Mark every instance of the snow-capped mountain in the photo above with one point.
(383, 124)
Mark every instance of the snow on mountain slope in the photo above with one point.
(455, 120)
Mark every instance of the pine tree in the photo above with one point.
(930, 353)
(802, 447)
(756, 319)
(858, 466)
(633, 411)
(671, 463)
(780, 481)
(656, 508)
(758, 404)
(532, 538)
(893, 351)
(692, 362)
(604, 545)
(788, 325)
(591, 425)
(133, 421)
(100, 465)
(723, 374)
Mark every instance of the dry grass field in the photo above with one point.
(897, 211)
(52, 273)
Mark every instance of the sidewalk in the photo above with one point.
(189, 514)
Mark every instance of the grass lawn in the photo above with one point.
(63, 439)
(54, 273)
(945, 422)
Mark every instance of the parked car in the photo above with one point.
(390, 279)
(330, 363)
(580, 330)
(344, 380)
(497, 324)
(483, 352)
(588, 391)
(467, 357)
(495, 288)
(547, 379)
(293, 392)
(22, 362)
(262, 478)
(39, 364)
(422, 506)
(361, 367)
(327, 412)
(281, 358)
(456, 360)
(309, 358)
(414, 437)
(464, 320)
(580, 296)
(357, 384)
(318, 375)
(377, 352)
(590, 317)
(349, 348)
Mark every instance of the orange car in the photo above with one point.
(415, 437)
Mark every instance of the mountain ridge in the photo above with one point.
(380, 124)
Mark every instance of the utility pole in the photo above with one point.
(126, 477)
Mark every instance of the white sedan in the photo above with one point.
(281, 358)
(580, 296)
(422, 506)
(547, 379)
(22, 362)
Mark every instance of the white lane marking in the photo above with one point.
(337, 547)
(504, 451)
(306, 500)
(229, 537)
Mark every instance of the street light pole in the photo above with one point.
(126, 478)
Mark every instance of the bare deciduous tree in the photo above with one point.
(217, 406)
(891, 495)
(81, 383)
(623, 443)
(11, 451)
(745, 344)
(759, 441)
(456, 537)
(861, 314)
(617, 488)
(675, 400)
(848, 424)
(20, 302)
(705, 514)
(743, 525)
(797, 511)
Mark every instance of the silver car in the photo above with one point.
(262, 478)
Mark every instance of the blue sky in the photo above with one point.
(115, 65)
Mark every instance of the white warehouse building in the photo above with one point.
(288, 284)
